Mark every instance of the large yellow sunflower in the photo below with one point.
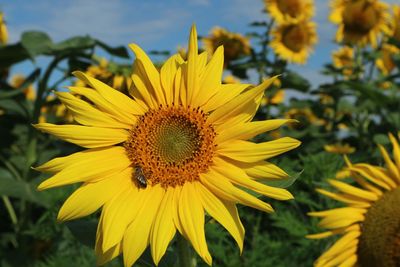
(235, 44)
(158, 160)
(284, 10)
(294, 41)
(360, 21)
(369, 224)
(3, 30)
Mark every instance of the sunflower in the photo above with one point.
(173, 150)
(369, 224)
(3, 30)
(284, 10)
(235, 44)
(102, 72)
(293, 41)
(385, 62)
(360, 21)
(396, 23)
(343, 59)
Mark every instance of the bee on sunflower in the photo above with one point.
(369, 223)
(158, 160)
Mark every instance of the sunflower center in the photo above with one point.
(359, 17)
(295, 37)
(291, 7)
(380, 239)
(171, 145)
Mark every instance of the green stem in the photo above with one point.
(184, 252)
(10, 209)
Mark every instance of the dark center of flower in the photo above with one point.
(291, 7)
(171, 145)
(380, 239)
(295, 37)
(359, 17)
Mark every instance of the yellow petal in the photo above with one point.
(236, 106)
(177, 85)
(224, 212)
(345, 198)
(104, 256)
(223, 188)
(373, 175)
(149, 71)
(192, 71)
(239, 177)
(245, 131)
(119, 212)
(141, 91)
(224, 93)
(210, 79)
(393, 170)
(354, 191)
(262, 170)
(163, 229)
(86, 114)
(396, 150)
(167, 75)
(137, 234)
(91, 196)
(89, 137)
(112, 95)
(191, 216)
(79, 167)
(252, 152)
(102, 104)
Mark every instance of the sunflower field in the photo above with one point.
(219, 152)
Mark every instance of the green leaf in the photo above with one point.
(84, 231)
(36, 43)
(294, 81)
(20, 189)
(381, 139)
(73, 44)
(12, 54)
(284, 183)
(119, 51)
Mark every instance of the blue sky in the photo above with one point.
(154, 25)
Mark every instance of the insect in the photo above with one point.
(139, 176)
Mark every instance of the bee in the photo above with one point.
(139, 177)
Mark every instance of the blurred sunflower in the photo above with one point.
(166, 155)
(3, 30)
(339, 149)
(396, 23)
(101, 71)
(370, 222)
(343, 59)
(293, 41)
(284, 10)
(385, 62)
(17, 80)
(360, 21)
(235, 44)
(230, 79)
(276, 99)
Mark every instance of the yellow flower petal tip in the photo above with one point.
(168, 146)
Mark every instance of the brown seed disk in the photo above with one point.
(172, 145)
